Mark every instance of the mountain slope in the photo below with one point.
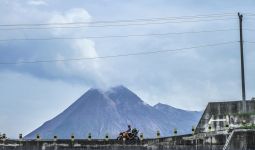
(179, 118)
(100, 112)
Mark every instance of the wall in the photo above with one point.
(218, 115)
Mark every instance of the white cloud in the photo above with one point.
(78, 15)
(82, 48)
(85, 49)
(79, 48)
(37, 2)
(66, 49)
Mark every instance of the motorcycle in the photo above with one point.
(133, 135)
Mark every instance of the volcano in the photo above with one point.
(101, 112)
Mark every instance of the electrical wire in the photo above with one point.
(118, 55)
(114, 36)
(251, 42)
(248, 29)
(116, 25)
(121, 21)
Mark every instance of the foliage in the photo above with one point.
(248, 126)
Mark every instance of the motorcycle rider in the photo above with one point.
(125, 134)
(129, 128)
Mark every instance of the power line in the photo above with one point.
(121, 21)
(252, 42)
(249, 14)
(117, 25)
(249, 29)
(114, 36)
(118, 55)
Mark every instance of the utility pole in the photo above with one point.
(240, 16)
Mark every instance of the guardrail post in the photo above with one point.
(175, 131)
(106, 137)
(55, 138)
(227, 126)
(72, 139)
(141, 136)
(193, 130)
(89, 137)
(158, 134)
(4, 138)
(210, 128)
(37, 140)
(20, 139)
(38, 137)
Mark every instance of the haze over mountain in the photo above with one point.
(110, 111)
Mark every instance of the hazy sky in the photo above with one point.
(33, 93)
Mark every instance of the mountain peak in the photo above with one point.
(119, 87)
(165, 106)
(94, 91)
(122, 95)
(105, 90)
(161, 105)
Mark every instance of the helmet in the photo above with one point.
(135, 131)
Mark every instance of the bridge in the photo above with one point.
(238, 139)
(223, 126)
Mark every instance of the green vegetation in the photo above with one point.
(246, 114)
(248, 126)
